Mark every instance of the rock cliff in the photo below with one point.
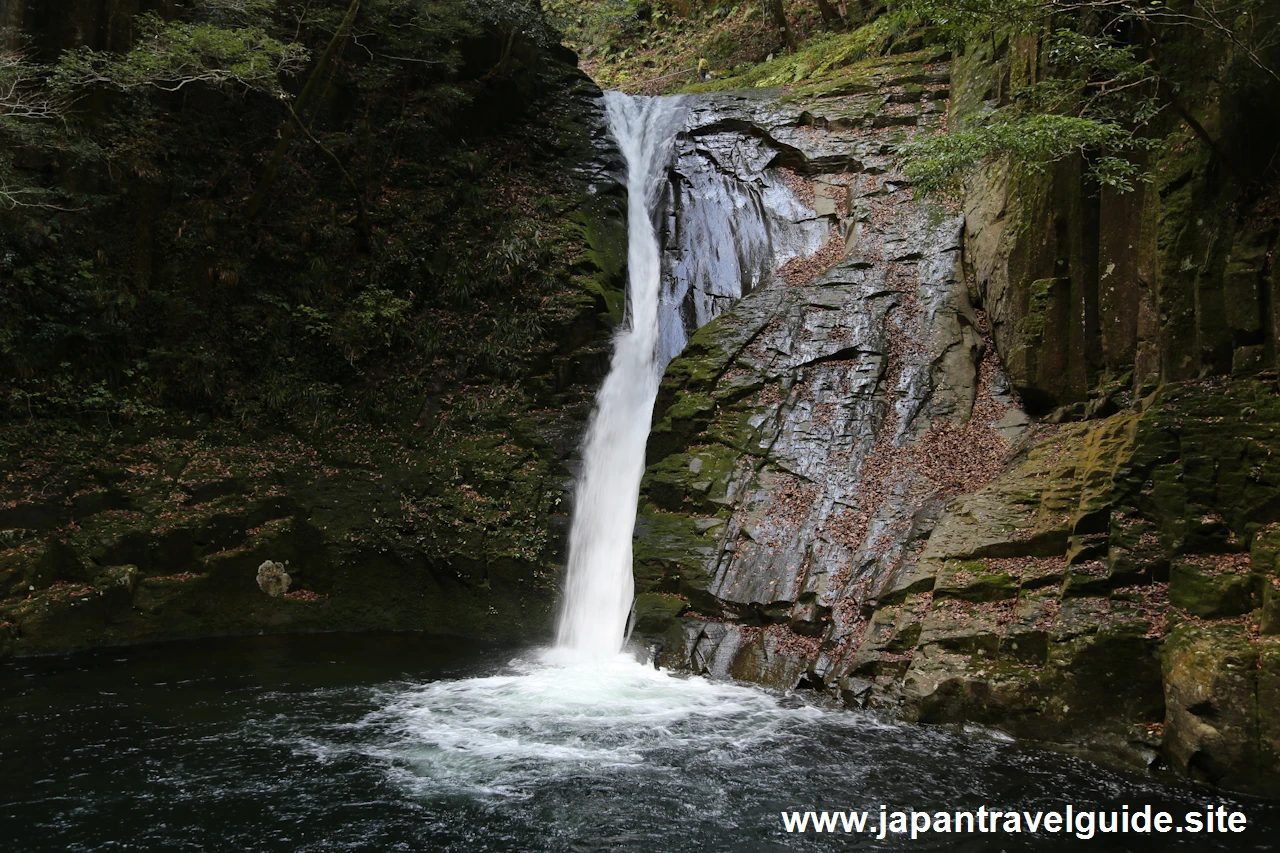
(848, 489)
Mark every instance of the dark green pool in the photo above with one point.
(402, 743)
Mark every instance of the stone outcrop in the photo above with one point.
(731, 220)
(845, 492)
(1169, 282)
(805, 441)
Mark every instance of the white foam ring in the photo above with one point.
(549, 718)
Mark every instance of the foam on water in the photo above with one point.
(551, 716)
(583, 708)
(316, 744)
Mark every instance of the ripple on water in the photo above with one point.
(385, 744)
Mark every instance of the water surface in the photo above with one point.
(391, 743)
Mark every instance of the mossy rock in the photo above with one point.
(656, 612)
(58, 562)
(693, 480)
(1087, 579)
(962, 626)
(670, 553)
(1211, 676)
(894, 629)
(1268, 755)
(974, 580)
(1210, 592)
(16, 567)
(1264, 556)
(1269, 616)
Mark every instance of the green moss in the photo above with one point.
(657, 612)
(601, 226)
(1042, 294)
(694, 480)
(1269, 616)
(835, 64)
(701, 362)
(670, 549)
(1265, 552)
(974, 580)
(1210, 592)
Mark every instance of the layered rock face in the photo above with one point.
(803, 442)
(730, 221)
(1096, 296)
(846, 493)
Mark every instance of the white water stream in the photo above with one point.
(584, 709)
(600, 587)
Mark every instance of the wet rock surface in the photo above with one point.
(731, 219)
(818, 426)
(845, 494)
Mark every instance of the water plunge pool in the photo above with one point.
(403, 742)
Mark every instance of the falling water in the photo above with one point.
(600, 587)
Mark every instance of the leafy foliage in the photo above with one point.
(1101, 91)
(936, 163)
(962, 21)
(149, 290)
(1250, 26)
(172, 55)
(1095, 101)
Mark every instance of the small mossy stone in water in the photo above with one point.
(273, 579)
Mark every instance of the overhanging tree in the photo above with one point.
(1107, 79)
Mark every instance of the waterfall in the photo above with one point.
(600, 587)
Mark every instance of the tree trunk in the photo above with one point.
(831, 18)
(299, 110)
(779, 16)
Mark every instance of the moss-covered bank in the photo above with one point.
(376, 382)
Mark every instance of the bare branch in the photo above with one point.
(12, 197)
(1209, 19)
(23, 94)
